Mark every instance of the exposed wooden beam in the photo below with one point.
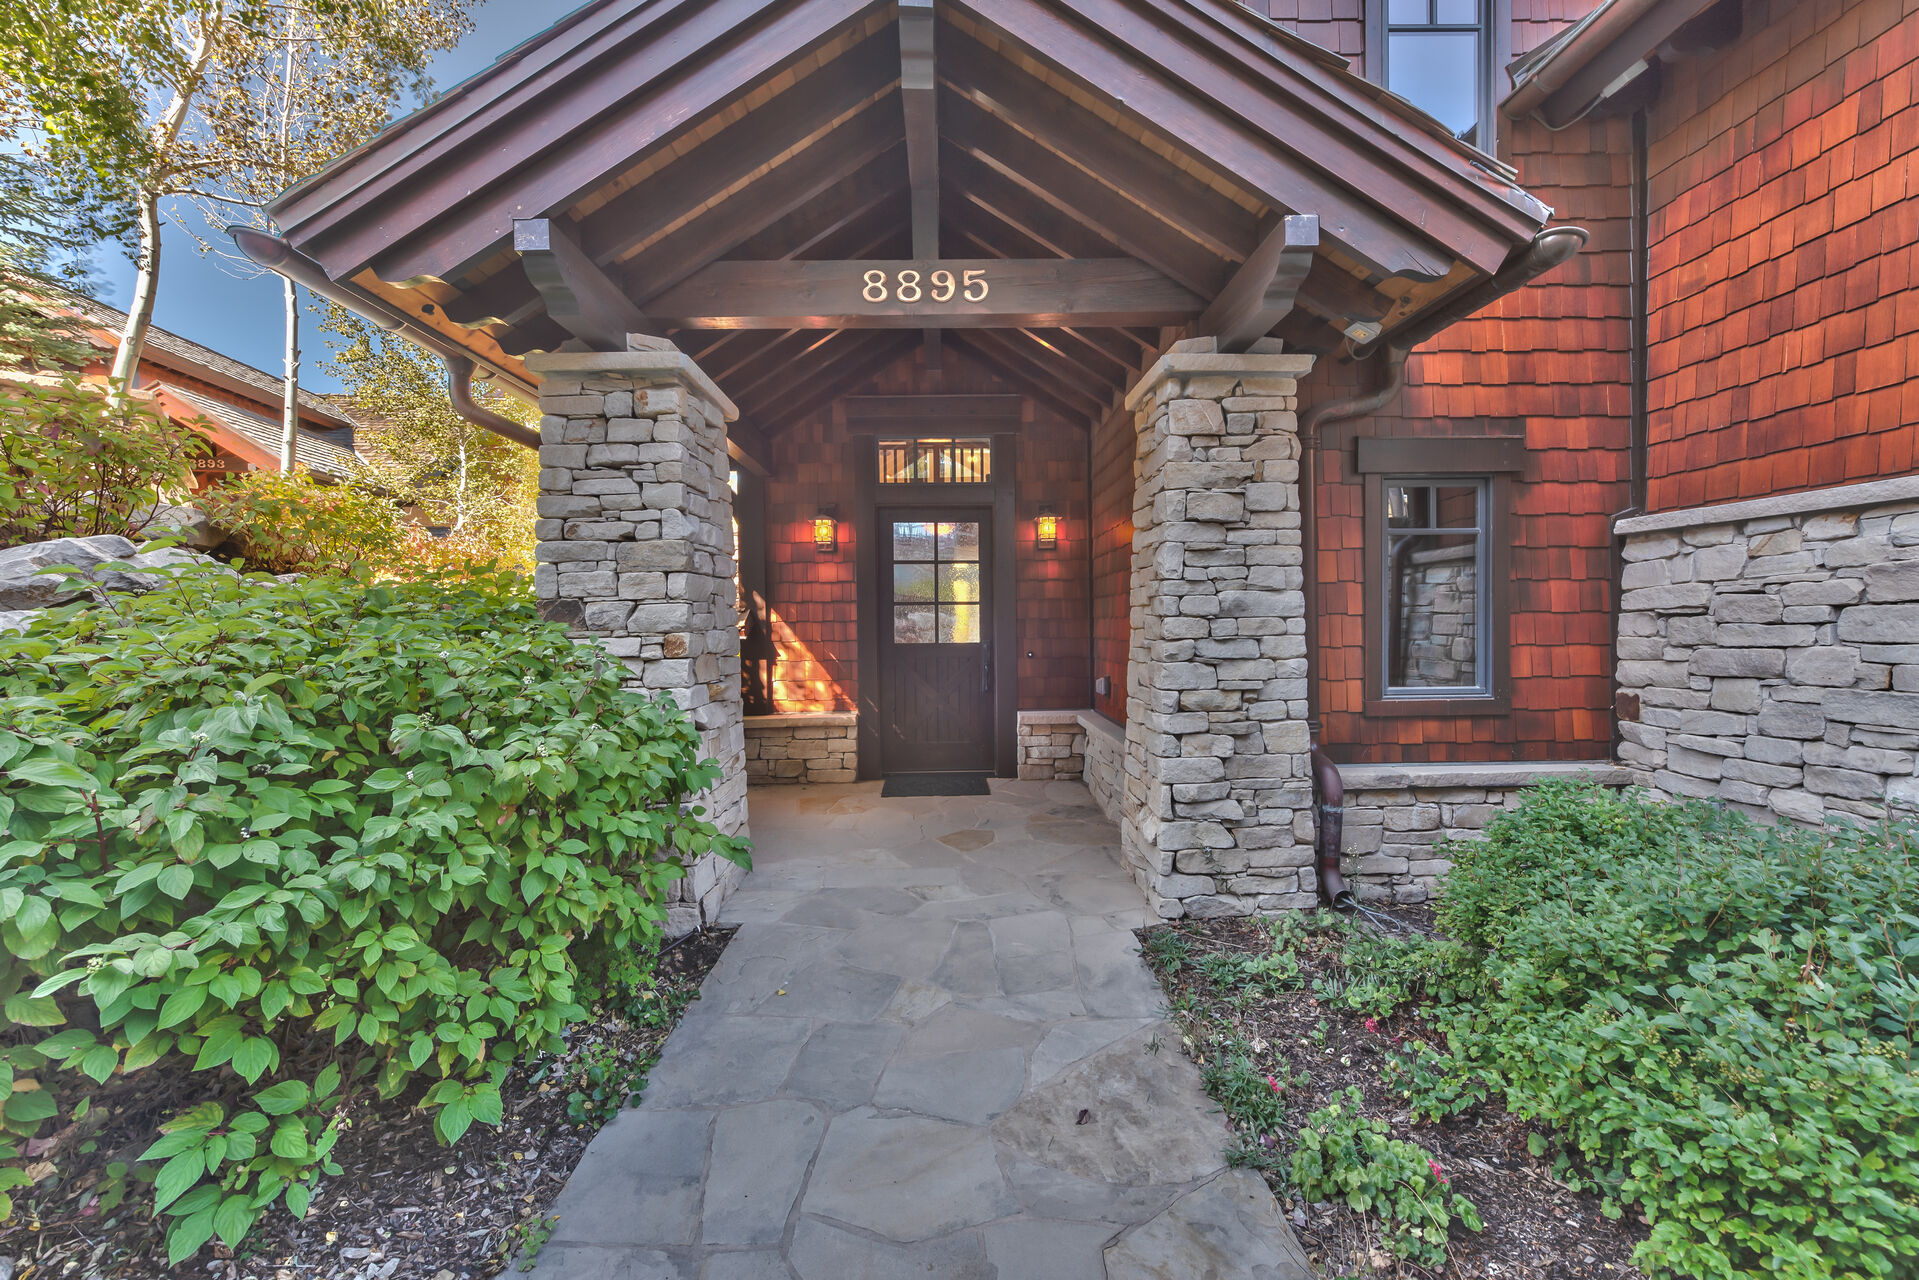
(791, 186)
(1049, 352)
(920, 107)
(1262, 291)
(505, 297)
(986, 192)
(577, 294)
(980, 293)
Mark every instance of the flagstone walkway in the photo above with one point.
(931, 1050)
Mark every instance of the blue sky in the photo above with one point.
(203, 298)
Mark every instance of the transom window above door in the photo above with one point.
(936, 582)
(942, 460)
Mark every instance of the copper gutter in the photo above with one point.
(276, 255)
(1601, 29)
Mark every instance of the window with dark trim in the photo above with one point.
(1436, 580)
(1440, 55)
(936, 461)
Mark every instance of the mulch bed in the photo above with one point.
(402, 1208)
(1536, 1229)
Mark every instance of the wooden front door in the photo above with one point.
(935, 632)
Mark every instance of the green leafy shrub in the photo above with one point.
(295, 524)
(74, 464)
(1379, 975)
(1720, 1015)
(314, 838)
(1433, 1082)
(1345, 1157)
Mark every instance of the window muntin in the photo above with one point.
(936, 582)
(1435, 615)
(1436, 59)
(941, 460)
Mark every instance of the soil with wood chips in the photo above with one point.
(403, 1207)
(1535, 1228)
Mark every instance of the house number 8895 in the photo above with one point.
(939, 286)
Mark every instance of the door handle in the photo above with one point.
(986, 668)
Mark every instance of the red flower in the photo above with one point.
(1438, 1172)
(1372, 1024)
(1274, 1083)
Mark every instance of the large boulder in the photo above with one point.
(24, 584)
(188, 526)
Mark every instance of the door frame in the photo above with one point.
(1001, 498)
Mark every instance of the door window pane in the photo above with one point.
(936, 582)
(1434, 584)
(914, 582)
(959, 624)
(912, 541)
(914, 624)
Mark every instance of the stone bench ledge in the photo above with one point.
(1525, 773)
(1094, 722)
(804, 720)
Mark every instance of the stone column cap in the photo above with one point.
(1180, 364)
(663, 366)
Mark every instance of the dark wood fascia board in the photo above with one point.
(577, 294)
(1300, 146)
(1261, 293)
(570, 142)
(796, 119)
(481, 102)
(1439, 455)
(938, 414)
(1476, 182)
(1020, 293)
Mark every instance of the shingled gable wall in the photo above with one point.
(635, 549)
(1217, 810)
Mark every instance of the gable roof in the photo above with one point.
(317, 453)
(662, 136)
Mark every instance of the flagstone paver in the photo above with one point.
(932, 1049)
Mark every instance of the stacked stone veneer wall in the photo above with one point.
(1052, 746)
(1399, 818)
(1769, 651)
(635, 550)
(803, 748)
(1216, 816)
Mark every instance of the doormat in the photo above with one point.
(936, 784)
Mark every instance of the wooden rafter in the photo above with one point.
(836, 378)
(1041, 381)
(920, 108)
(843, 153)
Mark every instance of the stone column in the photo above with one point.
(1218, 814)
(635, 549)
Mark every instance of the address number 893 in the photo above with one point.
(938, 286)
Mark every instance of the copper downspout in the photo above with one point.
(1329, 792)
(1547, 250)
(278, 256)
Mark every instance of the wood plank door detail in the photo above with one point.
(935, 639)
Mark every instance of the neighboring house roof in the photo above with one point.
(170, 350)
(316, 453)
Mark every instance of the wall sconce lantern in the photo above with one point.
(1046, 530)
(826, 531)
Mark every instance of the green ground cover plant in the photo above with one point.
(303, 840)
(1719, 1015)
(1343, 1155)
